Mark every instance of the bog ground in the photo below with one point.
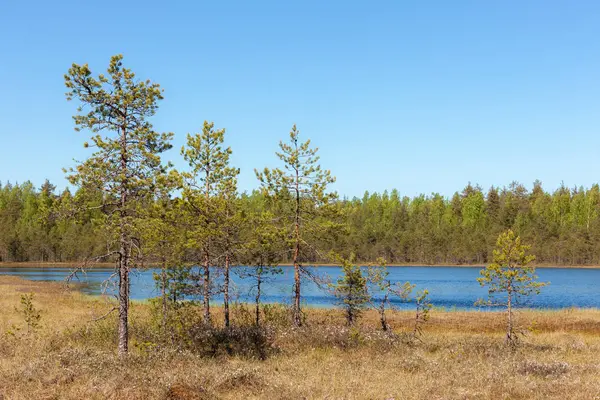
(461, 356)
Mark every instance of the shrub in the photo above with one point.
(30, 314)
(247, 341)
(543, 369)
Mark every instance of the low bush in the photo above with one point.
(246, 341)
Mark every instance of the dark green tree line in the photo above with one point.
(563, 227)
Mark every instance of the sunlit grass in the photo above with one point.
(461, 356)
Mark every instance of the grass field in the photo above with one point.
(461, 356)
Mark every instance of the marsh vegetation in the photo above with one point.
(461, 354)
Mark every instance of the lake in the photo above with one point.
(449, 287)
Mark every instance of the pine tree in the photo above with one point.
(263, 243)
(163, 239)
(230, 236)
(422, 308)
(511, 276)
(379, 283)
(125, 166)
(302, 184)
(206, 190)
(351, 290)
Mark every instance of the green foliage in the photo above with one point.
(263, 239)
(424, 229)
(306, 210)
(351, 290)
(173, 326)
(210, 173)
(276, 315)
(174, 280)
(164, 242)
(511, 276)
(301, 172)
(31, 315)
(511, 271)
(125, 171)
(209, 194)
(423, 308)
(379, 283)
(262, 244)
(121, 104)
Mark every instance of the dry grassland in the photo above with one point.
(461, 356)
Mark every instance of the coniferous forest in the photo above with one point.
(563, 227)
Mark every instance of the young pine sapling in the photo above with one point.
(351, 290)
(511, 276)
(423, 307)
(379, 281)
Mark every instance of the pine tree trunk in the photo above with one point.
(163, 290)
(384, 325)
(226, 291)
(297, 311)
(257, 299)
(416, 327)
(207, 262)
(123, 302)
(124, 254)
(206, 285)
(509, 327)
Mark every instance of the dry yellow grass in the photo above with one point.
(461, 357)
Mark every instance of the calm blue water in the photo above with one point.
(448, 286)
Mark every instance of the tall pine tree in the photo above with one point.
(303, 183)
(207, 187)
(125, 166)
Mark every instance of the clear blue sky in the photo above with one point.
(419, 96)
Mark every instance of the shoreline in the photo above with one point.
(36, 286)
(66, 265)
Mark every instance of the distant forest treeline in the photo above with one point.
(562, 227)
